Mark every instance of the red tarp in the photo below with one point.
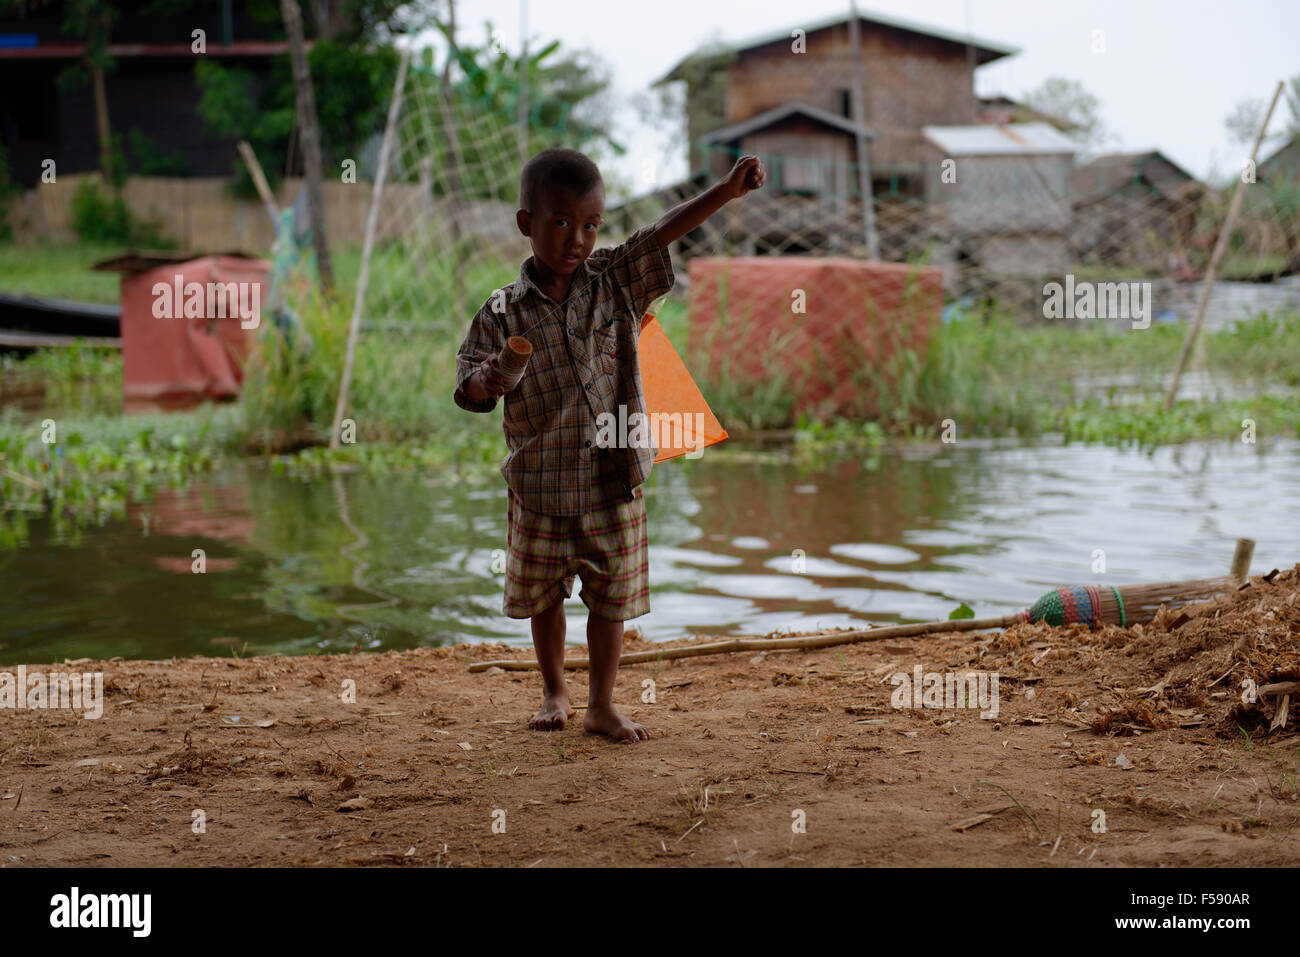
(189, 357)
(745, 315)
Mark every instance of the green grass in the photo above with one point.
(59, 271)
(84, 469)
(997, 378)
(401, 389)
(73, 377)
(1147, 424)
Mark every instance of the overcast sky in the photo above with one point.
(1170, 73)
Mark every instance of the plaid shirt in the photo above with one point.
(584, 363)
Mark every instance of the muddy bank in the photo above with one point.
(1130, 746)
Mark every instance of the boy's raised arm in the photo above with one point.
(748, 174)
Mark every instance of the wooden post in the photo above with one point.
(99, 26)
(523, 82)
(1225, 234)
(1241, 560)
(452, 137)
(259, 181)
(372, 222)
(425, 221)
(864, 168)
(311, 158)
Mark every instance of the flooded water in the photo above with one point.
(741, 542)
(1229, 301)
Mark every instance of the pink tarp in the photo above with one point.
(823, 322)
(185, 341)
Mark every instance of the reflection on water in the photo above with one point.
(739, 544)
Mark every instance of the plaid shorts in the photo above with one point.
(607, 548)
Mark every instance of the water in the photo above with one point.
(1230, 301)
(740, 543)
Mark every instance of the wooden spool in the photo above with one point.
(514, 360)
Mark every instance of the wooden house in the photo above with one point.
(809, 155)
(1000, 110)
(1282, 165)
(788, 96)
(1279, 206)
(999, 202)
(912, 75)
(1133, 209)
(150, 89)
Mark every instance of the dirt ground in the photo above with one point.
(1111, 748)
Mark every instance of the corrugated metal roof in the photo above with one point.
(1010, 139)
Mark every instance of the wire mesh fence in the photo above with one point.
(1001, 210)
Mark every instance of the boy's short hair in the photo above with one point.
(554, 169)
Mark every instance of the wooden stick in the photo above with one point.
(870, 236)
(368, 245)
(1241, 560)
(456, 203)
(1220, 247)
(769, 644)
(1281, 687)
(1141, 601)
(30, 483)
(259, 181)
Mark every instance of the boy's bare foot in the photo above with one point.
(607, 720)
(553, 715)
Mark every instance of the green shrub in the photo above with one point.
(103, 217)
(148, 159)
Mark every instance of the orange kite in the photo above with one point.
(671, 396)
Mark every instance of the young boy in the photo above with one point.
(575, 508)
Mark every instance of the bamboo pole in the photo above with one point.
(372, 221)
(859, 111)
(523, 82)
(768, 644)
(311, 157)
(1225, 234)
(1142, 601)
(259, 182)
(1240, 571)
(451, 134)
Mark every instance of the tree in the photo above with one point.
(567, 106)
(353, 86)
(92, 21)
(305, 98)
(701, 93)
(1278, 194)
(1243, 122)
(1068, 100)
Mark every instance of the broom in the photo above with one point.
(1092, 605)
